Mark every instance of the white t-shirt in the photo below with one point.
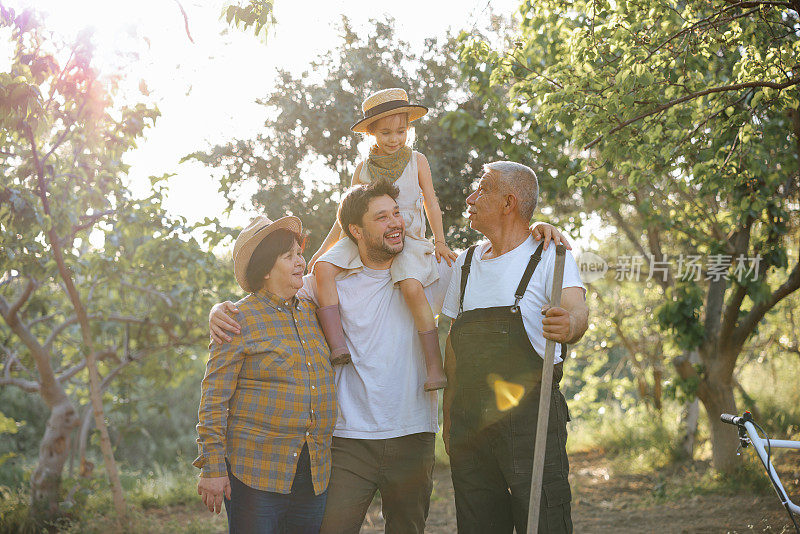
(493, 281)
(381, 392)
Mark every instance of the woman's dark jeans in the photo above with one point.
(264, 512)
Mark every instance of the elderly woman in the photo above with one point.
(268, 406)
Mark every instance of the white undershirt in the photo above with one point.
(493, 281)
(381, 392)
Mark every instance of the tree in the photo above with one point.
(92, 280)
(684, 117)
(309, 128)
(256, 14)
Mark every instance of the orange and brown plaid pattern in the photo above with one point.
(267, 392)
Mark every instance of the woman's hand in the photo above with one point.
(549, 232)
(443, 251)
(221, 323)
(212, 490)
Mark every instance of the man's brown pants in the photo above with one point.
(400, 468)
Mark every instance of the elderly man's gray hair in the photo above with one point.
(520, 181)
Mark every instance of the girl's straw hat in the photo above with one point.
(384, 103)
(250, 237)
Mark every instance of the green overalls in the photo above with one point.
(491, 439)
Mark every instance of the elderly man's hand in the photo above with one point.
(221, 323)
(446, 436)
(213, 490)
(557, 324)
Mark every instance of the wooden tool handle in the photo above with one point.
(544, 402)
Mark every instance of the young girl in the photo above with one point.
(387, 116)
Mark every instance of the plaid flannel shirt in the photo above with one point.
(265, 394)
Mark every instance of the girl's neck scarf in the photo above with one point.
(387, 167)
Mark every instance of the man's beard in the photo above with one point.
(377, 248)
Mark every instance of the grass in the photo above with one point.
(157, 502)
(638, 440)
(779, 404)
(688, 479)
(442, 459)
(642, 442)
(168, 489)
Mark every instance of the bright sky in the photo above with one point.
(206, 91)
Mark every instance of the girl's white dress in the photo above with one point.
(417, 260)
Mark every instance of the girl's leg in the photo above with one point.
(328, 311)
(417, 302)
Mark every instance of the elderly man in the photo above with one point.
(493, 360)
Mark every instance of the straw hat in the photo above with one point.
(384, 103)
(250, 237)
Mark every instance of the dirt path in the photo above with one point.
(602, 502)
(624, 505)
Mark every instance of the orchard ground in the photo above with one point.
(606, 498)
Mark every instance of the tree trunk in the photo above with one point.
(691, 415)
(658, 378)
(715, 391)
(684, 366)
(96, 396)
(53, 453)
(717, 398)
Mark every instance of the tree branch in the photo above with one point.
(42, 319)
(794, 348)
(185, 21)
(12, 312)
(69, 372)
(114, 318)
(741, 242)
(67, 128)
(58, 142)
(618, 320)
(626, 229)
(54, 86)
(721, 89)
(8, 278)
(731, 313)
(683, 366)
(11, 362)
(150, 291)
(654, 242)
(752, 3)
(754, 316)
(707, 21)
(795, 114)
(28, 386)
(48, 344)
(87, 419)
(90, 220)
(552, 82)
(51, 391)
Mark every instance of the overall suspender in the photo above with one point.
(526, 278)
(464, 275)
(523, 283)
(536, 257)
